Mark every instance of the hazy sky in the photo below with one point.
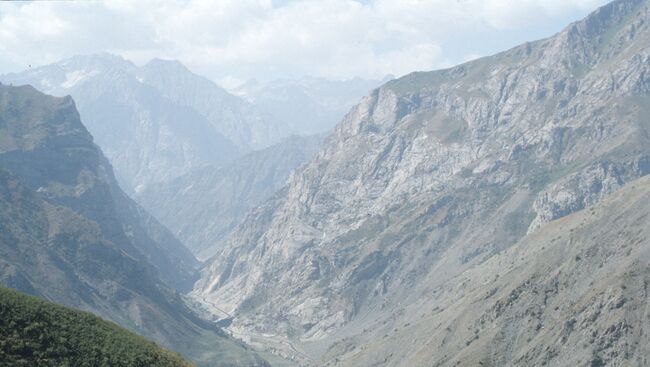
(232, 40)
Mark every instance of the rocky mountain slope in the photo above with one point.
(202, 207)
(307, 105)
(572, 294)
(154, 122)
(434, 174)
(69, 234)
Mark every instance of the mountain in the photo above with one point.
(572, 294)
(69, 234)
(156, 122)
(241, 122)
(433, 175)
(203, 206)
(36, 332)
(307, 105)
(45, 145)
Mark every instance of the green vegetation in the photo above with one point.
(34, 332)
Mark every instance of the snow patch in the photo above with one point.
(75, 77)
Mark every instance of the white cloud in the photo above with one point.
(239, 39)
(512, 14)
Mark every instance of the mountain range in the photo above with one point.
(203, 206)
(155, 122)
(70, 234)
(440, 175)
(491, 214)
(160, 121)
(181, 144)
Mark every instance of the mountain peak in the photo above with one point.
(36, 110)
(166, 65)
(100, 61)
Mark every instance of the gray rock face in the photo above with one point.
(583, 189)
(435, 173)
(68, 233)
(157, 122)
(307, 105)
(202, 207)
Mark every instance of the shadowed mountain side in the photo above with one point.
(69, 234)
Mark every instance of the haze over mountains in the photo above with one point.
(205, 205)
(165, 148)
(491, 214)
(163, 127)
(307, 105)
(158, 121)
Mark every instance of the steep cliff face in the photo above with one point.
(202, 207)
(69, 234)
(436, 172)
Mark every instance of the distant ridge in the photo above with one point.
(154, 122)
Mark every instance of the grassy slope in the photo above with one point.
(34, 332)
